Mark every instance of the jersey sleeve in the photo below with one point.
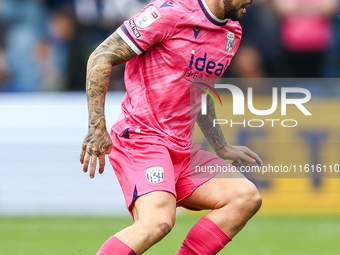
(155, 23)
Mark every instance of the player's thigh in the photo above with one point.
(220, 191)
(225, 185)
(157, 208)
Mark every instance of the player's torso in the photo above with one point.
(198, 51)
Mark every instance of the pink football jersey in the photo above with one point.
(178, 42)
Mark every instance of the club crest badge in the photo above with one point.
(149, 16)
(155, 174)
(230, 41)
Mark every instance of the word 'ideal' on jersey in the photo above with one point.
(238, 100)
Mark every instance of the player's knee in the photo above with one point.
(160, 227)
(256, 201)
(155, 215)
(165, 228)
(249, 199)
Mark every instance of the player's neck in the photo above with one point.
(216, 7)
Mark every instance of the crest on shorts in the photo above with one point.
(155, 174)
(230, 41)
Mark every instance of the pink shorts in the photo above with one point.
(144, 163)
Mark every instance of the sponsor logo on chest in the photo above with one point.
(204, 64)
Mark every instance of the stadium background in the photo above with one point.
(48, 206)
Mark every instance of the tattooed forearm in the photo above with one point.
(113, 51)
(213, 134)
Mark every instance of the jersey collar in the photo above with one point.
(208, 13)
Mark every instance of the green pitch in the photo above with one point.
(76, 235)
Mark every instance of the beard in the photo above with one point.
(230, 11)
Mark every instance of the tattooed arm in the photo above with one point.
(215, 135)
(97, 142)
(217, 141)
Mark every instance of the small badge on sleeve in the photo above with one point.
(149, 16)
(134, 28)
(155, 174)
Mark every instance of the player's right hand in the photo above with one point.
(96, 144)
(241, 155)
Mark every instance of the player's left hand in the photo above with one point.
(241, 155)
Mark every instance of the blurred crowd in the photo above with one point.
(45, 44)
